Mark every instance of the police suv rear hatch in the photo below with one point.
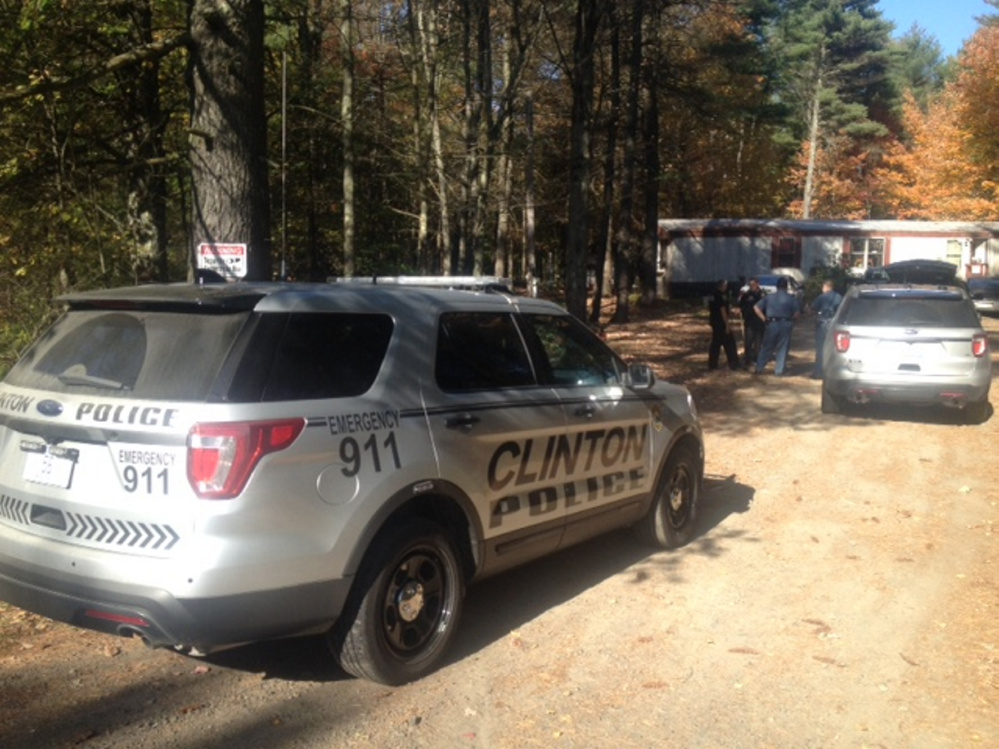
(94, 417)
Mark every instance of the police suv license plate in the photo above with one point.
(50, 465)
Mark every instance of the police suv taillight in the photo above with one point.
(221, 457)
(842, 340)
(979, 344)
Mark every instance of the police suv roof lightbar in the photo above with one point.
(478, 283)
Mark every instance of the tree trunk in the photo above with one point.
(472, 113)
(504, 168)
(813, 150)
(624, 241)
(228, 145)
(610, 157)
(650, 135)
(814, 123)
(485, 143)
(347, 125)
(147, 201)
(425, 17)
(588, 16)
(310, 46)
(530, 269)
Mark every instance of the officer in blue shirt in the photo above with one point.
(779, 310)
(824, 307)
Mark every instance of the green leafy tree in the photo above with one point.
(917, 64)
(834, 56)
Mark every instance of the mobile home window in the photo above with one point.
(786, 253)
(954, 252)
(868, 253)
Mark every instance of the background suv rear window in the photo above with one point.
(926, 312)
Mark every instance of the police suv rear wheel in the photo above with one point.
(671, 519)
(404, 607)
(977, 412)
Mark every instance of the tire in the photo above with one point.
(831, 404)
(670, 521)
(977, 412)
(404, 607)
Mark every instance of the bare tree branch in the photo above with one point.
(155, 51)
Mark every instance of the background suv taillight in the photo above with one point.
(979, 344)
(842, 340)
(221, 457)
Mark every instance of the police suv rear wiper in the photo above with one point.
(76, 375)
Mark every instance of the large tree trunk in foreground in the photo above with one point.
(228, 147)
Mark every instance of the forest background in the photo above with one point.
(535, 139)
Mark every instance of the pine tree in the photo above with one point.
(835, 61)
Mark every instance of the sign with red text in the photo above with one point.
(228, 260)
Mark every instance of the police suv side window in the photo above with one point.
(480, 351)
(327, 356)
(570, 353)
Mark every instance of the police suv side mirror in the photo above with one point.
(640, 377)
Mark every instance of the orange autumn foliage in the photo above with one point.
(849, 179)
(934, 178)
(947, 171)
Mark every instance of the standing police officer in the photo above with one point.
(721, 328)
(752, 326)
(779, 311)
(824, 307)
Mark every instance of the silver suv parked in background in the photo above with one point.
(202, 466)
(915, 344)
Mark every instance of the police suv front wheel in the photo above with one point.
(671, 519)
(404, 608)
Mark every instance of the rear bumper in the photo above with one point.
(162, 620)
(925, 391)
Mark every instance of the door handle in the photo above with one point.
(461, 421)
(587, 410)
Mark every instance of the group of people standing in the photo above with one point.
(767, 323)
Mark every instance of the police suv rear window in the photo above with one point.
(134, 354)
(928, 311)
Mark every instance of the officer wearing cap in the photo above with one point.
(779, 311)
(824, 307)
(752, 326)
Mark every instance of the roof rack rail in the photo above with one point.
(474, 283)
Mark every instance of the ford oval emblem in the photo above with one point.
(49, 408)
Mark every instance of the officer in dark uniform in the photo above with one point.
(721, 329)
(752, 326)
(824, 307)
(779, 310)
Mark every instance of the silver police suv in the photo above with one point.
(207, 465)
(919, 344)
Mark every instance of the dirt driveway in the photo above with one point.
(841, 592)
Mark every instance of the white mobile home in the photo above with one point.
(696, 252)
